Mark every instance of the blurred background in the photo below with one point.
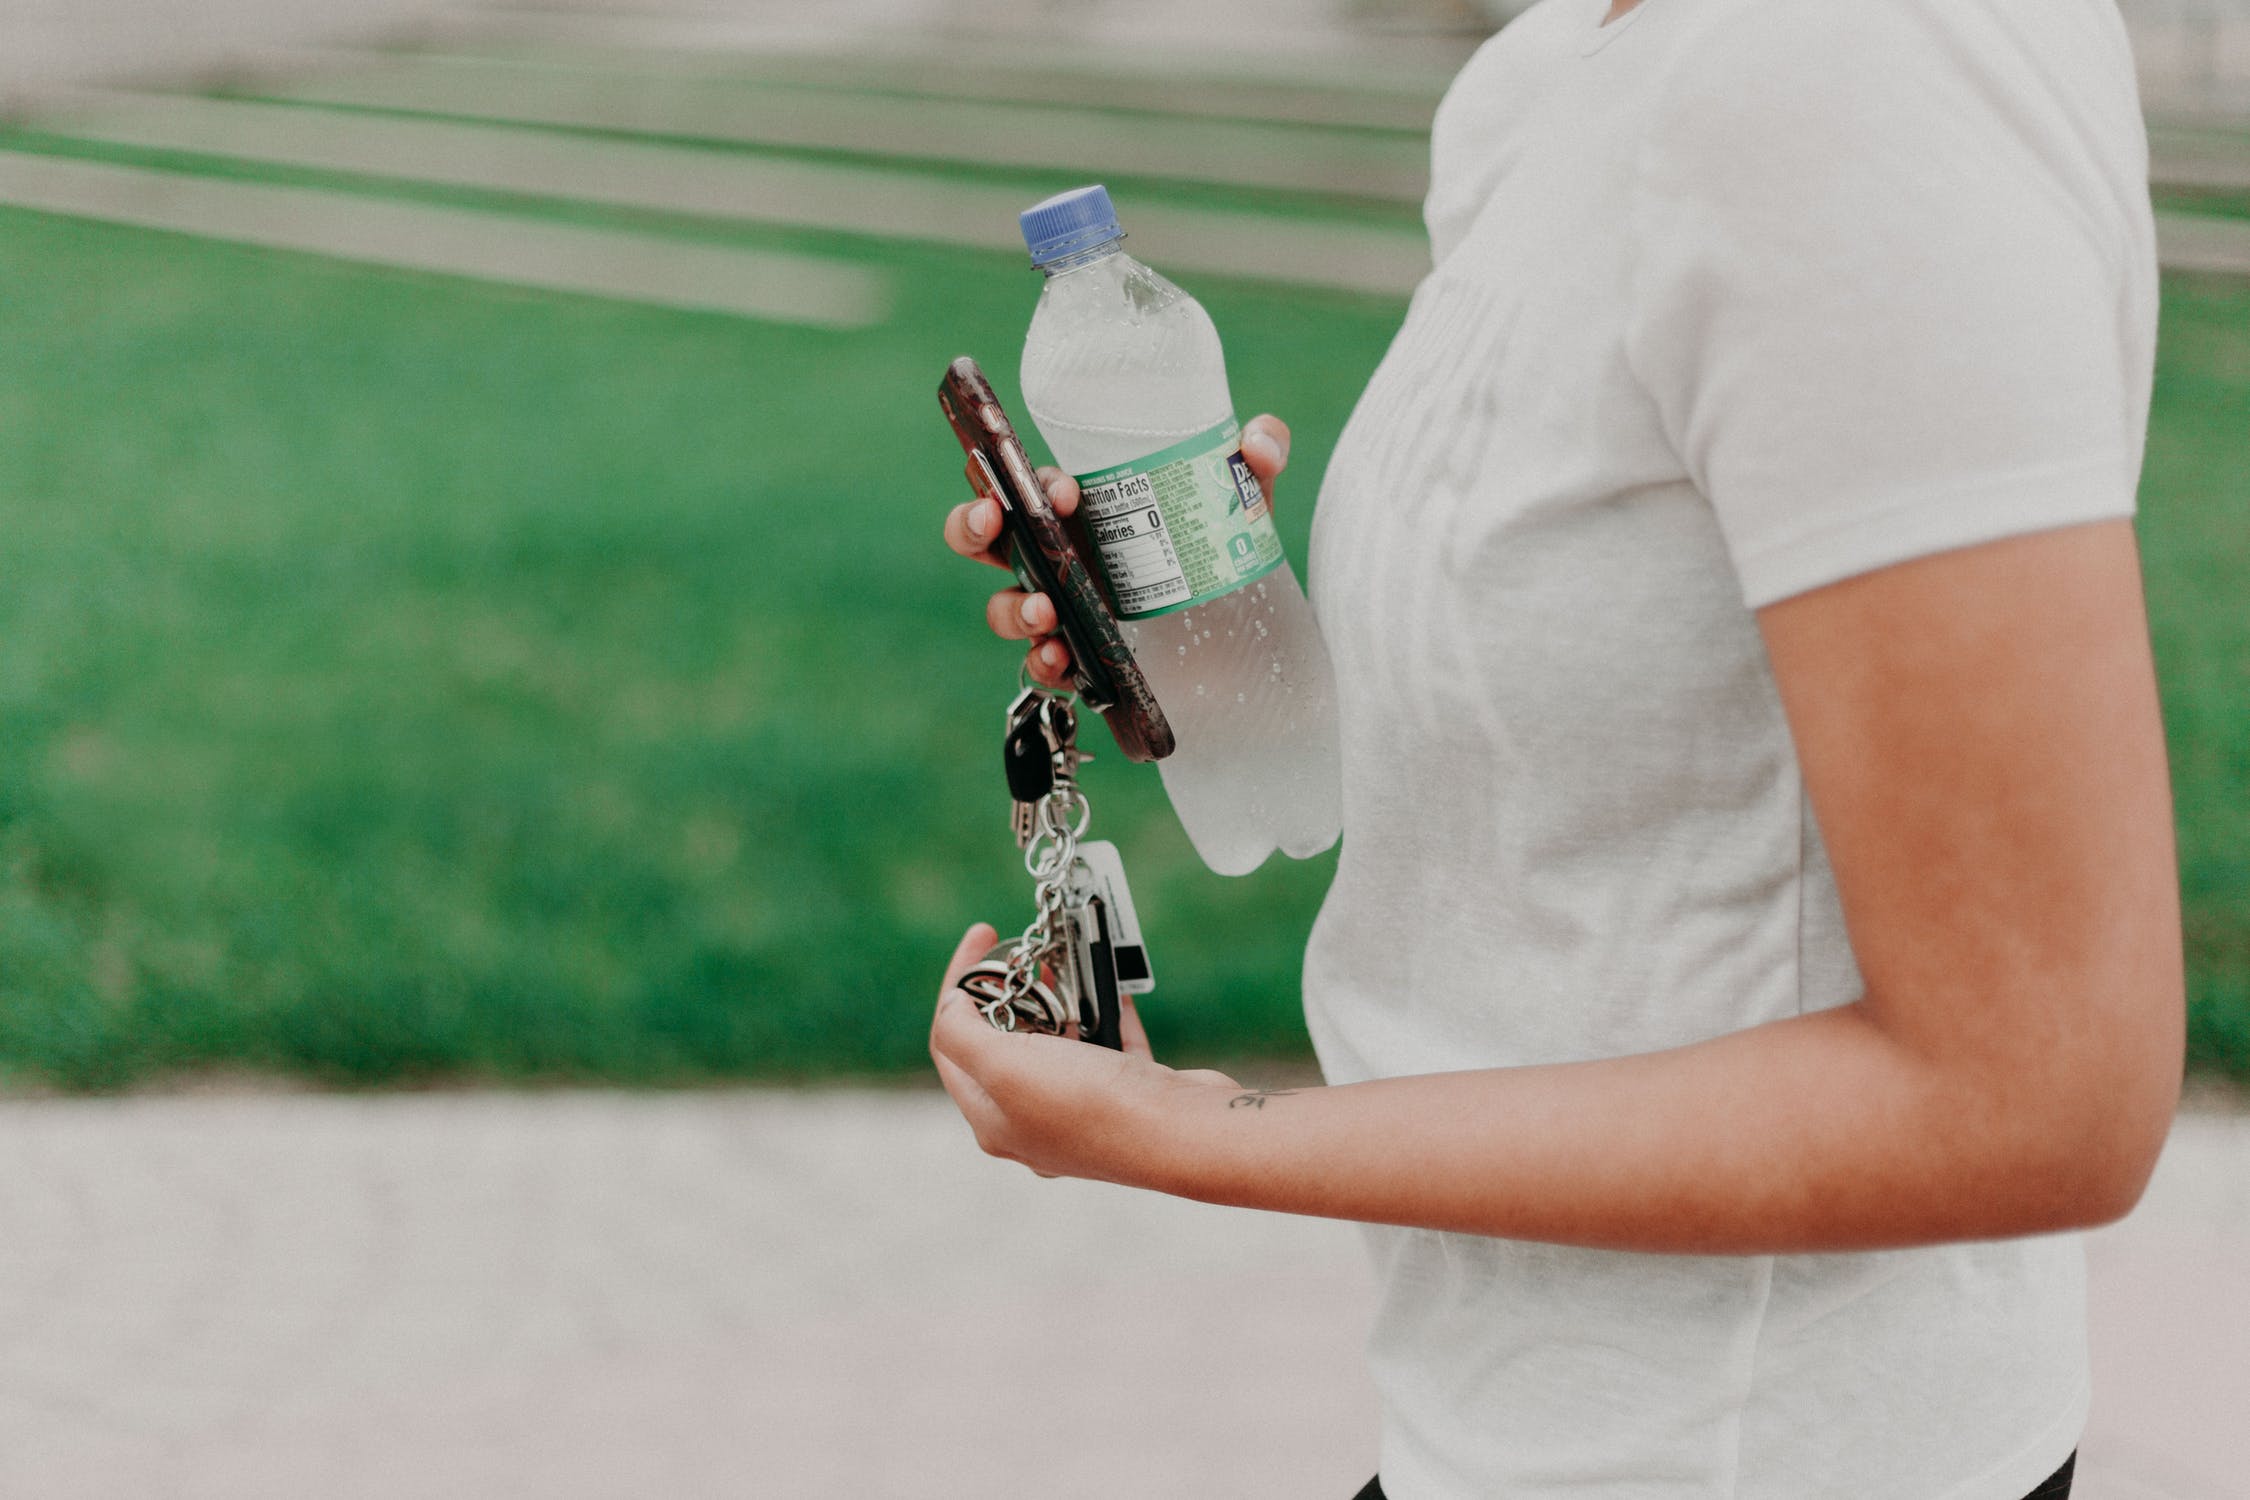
(473, 615)
(470, 482)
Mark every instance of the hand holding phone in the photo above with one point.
(1039, 549)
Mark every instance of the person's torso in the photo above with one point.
(1575, 828)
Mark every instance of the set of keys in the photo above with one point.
(1066, 974)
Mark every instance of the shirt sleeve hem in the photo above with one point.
(2071, 493)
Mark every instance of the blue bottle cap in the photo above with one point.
(1068, 223)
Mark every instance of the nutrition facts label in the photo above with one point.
(1137, 552)
(1181, 526)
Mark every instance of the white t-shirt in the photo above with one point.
(1732, 299)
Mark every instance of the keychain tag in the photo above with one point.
(1106, 879)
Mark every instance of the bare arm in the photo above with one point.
(1980, 736)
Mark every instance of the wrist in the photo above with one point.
(1182, 1144)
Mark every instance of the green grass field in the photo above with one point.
(408, 679)
(2195, 537)
(403, 677)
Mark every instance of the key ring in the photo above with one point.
(1054, 847)
(1059, 803)
(1024, 684)
(1011, 986)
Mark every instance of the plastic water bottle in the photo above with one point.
(1125, 379)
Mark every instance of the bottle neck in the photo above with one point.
(1079, 259)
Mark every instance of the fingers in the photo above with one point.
(1265, 442)
(1049, 664)
(1014, 615)
(986, 1122)
(1265, 445)
(972, 528)
(1062, 490)
(961, 1043)
(967, 1093)
(1017, 616)
(1130, 1030)
(973, 1060)
(957, 1032)
(973, 531)
(974, 944)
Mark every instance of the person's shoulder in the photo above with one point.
(1942, 102)
(1505, 76)
(1543, 30)
(1739, 56)
(1824, 37)
(1486, 111)
(1911, 66)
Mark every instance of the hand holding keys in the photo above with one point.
(1083, 951)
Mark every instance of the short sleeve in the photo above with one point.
(1876, 292)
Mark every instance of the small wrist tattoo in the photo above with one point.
(1256, 1098)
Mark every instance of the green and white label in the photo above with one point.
(1180, 527)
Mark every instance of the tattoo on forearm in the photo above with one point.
(1256, 1098)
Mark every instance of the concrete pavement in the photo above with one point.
(2169, 1300)
(829, 1294)
(592, 1295)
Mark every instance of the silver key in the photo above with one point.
(1059, 721)
(1104, 876)
(1027, 759)
(1077, 959)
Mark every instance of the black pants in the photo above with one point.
(2057, 1486)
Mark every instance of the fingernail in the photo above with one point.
(1024, 611)
(1056, 488)
(976, 521)
(1263, 442)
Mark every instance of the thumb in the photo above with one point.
(1265, 447)
(974, 944)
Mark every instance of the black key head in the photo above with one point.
(1028, 761)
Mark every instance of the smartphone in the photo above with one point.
(1039, 548)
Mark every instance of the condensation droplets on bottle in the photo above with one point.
(1125, 378)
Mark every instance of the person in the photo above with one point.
(1754, 950)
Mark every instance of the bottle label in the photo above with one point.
(1180, 527)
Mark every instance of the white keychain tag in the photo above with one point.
(1105, 870)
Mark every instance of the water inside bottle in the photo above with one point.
(1120, 363)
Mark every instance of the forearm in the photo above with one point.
(1820, 1132)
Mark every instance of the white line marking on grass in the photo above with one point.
(456, 242)
(2198, 242)
(1232, 153)
(727, 184)
(1366, 79)
(2209, 160)
(1077, 79)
